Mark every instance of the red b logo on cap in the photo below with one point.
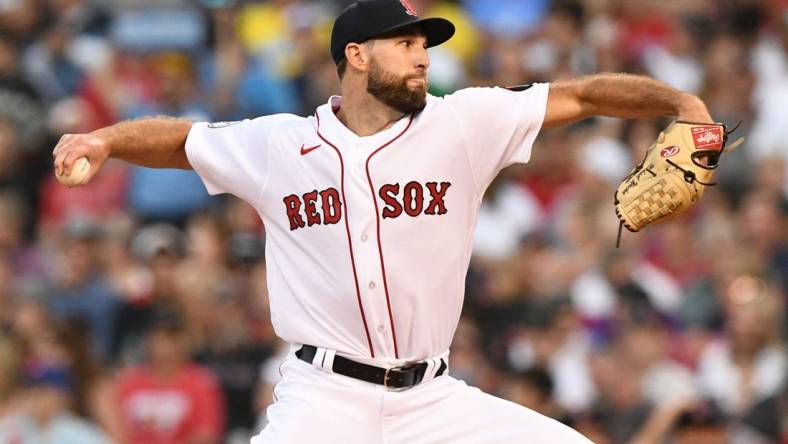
(408, 7)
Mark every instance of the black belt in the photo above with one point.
(403, 377)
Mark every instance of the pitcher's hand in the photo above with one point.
(75, 146)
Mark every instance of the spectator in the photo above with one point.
(749, 364)
(20, 104)
(49, 67)
(168, 400)
(58, 379)
(647, 342)
(555, 343)
(231, 354)
(44, 417)
(158, 249)
(620, 409)
(534, 389)
(81, 289)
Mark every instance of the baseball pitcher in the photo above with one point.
(369, 206)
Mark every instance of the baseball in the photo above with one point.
(78, 173)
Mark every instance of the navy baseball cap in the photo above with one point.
(366, 19)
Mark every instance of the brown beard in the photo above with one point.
(393, 91)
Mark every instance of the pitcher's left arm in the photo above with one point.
(619, 95)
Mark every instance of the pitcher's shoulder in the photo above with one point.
(281, 123)
(459, 97)
(282, 120)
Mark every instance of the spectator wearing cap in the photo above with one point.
(45, 417)
(41, 343)
(169, 399)
(56, 377)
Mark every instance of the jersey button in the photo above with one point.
(364, 238)
(371, 285)
(381, 328)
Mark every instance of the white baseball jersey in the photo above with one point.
(368, 239)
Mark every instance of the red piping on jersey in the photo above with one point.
(347, 230)
(380, 247)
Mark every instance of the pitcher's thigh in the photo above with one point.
(469, 416)
(310, 407)
(313, 417)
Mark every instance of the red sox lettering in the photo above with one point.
(302, 211)
(413, 199)
(330, 208)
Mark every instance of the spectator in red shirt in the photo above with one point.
(170, 400)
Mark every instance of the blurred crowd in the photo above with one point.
(134, 310)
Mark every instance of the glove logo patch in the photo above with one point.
(669, 151)
(707, 137)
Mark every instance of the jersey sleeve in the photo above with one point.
(499, 126)
(231, 157)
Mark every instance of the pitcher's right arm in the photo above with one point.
(156, 142)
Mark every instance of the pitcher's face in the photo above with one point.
(397, 74)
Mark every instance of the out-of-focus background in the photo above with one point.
(134, 310)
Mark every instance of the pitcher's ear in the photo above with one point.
(357, 56)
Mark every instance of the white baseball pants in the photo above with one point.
(313, 406)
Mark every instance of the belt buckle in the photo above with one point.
(386, 378)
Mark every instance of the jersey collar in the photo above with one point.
(331, 127)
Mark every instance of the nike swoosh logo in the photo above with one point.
(305, 151)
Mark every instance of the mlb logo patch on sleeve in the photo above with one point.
(217, 125)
